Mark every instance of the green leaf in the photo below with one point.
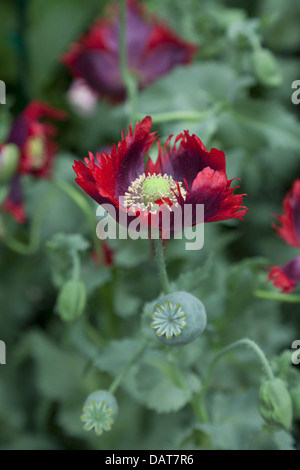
(161, 385)
(95, 276)
(190, 281)
(58, 371)
(158, 383)
(60, 250)
(51, 30)
(255, 123)
(126, 304)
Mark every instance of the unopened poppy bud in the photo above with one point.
(275, 404)
(71, 300)
(9, 160)
(266, 67)
(178, 318)
(295, 396)
(100, 410)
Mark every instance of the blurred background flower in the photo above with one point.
(153, 50)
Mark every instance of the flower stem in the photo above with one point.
(263, 294)
(94, 335)
(174, 116)
(120, 377)
(129, 80)
(87, 210)
(161, 265)
(35, 231)
(76, 266)
(198, 401)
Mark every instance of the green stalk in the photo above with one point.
(120, 377)
(35, 231)
(198, 400)
(161, 265)
(174, 116)
(263, 294)
(82, 203)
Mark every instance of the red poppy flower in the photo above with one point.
(289, 230)
(185, 175)
(152, 51)
(34, 140)
(286, 277)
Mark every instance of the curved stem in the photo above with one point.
(263, 294)
(87, 210)
(35, 232)
(174, 116)
(115, 384)
(76, 266)
(94, 335)
(161, 265)
(198, 400)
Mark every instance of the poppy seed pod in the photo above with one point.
(178, 318)
(100, 410)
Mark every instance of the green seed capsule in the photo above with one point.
(100, 410)
(178, 318)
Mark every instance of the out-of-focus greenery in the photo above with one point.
(53, 365)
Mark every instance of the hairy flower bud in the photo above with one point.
(295, 396)
(100, 410)
(266, 68)
(178, 318)
(275, 404)
(71, 300)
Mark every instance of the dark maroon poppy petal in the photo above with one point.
(117, 171)
(14, 203)
(289, 230)
(101, 71)
(286, 277)
(164, 51)
(185, 161)
(19, 131)
(212, 189)
(138, 32)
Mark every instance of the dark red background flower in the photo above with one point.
(152, 51)
(287, 277)
(34, 138)
(289, 230)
